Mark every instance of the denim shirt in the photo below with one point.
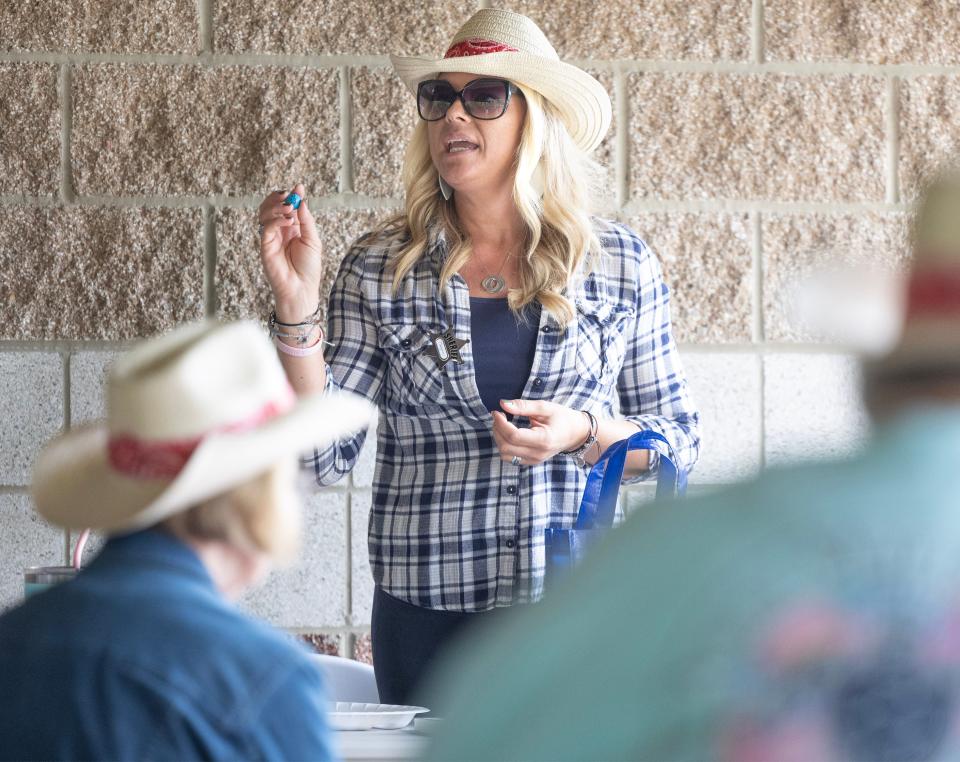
(139, 657)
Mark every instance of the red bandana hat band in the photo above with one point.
(164, 459)
(934, 293)
(477, 47)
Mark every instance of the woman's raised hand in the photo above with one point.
(292, 255)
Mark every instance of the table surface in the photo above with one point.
(407, 743)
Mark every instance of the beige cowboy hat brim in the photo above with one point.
(75, 487)
(582, 101)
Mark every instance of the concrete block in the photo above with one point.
(749, 136)
(929, 130)
(31, 410)
(30, 127)
(311, 594)
(92, 26)
(708, 30)
(99, 273)
(813, 407)
(361, 575)
(197, 130)
(88, 375)
(726, 390)
(707, 262)
(338, 27)
(875, 32)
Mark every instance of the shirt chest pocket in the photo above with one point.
(602, 338)
(414, 381)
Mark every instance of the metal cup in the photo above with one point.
(36, 579)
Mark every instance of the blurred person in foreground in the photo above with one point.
(193, 478)
(812, 615)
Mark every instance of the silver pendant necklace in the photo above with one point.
(494, 284)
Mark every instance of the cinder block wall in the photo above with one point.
(749, 139)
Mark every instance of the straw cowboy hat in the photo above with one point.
(189, 415)
(929, 345)
(500, 43)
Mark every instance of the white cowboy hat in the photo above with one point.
(499, 43)
(189, 415)
(929, 345)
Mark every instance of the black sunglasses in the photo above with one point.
(482, 98)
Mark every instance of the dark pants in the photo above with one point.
(407, 640)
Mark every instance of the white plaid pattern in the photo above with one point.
(452, 526)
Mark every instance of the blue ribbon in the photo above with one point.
(599, 504)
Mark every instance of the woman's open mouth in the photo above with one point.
(460, 146)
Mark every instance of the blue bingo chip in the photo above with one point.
(294, 200)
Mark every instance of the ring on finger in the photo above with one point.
(261, 226)
(516, 460)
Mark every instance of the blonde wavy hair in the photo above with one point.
(560, 237)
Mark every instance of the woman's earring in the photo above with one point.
(538, 180)
(445, 188)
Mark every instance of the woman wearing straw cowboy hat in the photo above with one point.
(494, 323)
(141, 656)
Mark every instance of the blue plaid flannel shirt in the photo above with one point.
(452, 526)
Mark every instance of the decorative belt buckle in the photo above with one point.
(445, 347)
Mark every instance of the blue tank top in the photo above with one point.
(503, 349)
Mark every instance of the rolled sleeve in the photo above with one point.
(652, 386)
(355, 363)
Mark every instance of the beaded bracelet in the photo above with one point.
(298, 331)
(300, 351)
(579, 453)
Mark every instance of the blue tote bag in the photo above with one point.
(566, 548)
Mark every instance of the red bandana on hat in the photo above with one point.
(935, 293)
(477, 47)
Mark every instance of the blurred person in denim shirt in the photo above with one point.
(811, 615)
(141, 655)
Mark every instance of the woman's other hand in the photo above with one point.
(553, 429)
(292, 255)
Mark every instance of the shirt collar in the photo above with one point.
(157, 548)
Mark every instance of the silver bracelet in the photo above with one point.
(580, 454)
(300, 332)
